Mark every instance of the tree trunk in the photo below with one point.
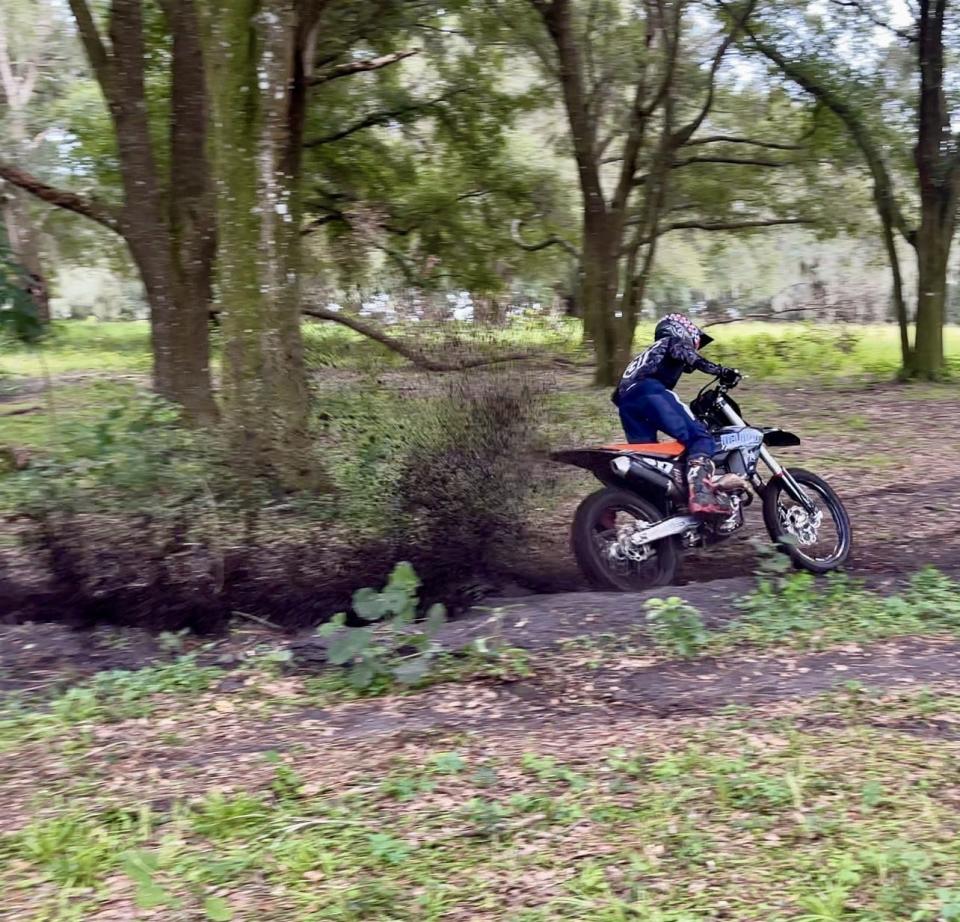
(253, 71)
(933, 252)
(180, 362)
(601, 261)
(24, 239)
(192, 219)
(899, 300)
(936, 167)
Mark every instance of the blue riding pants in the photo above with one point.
(648, 406)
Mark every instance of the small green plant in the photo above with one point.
(830, 906)
(395, 646)
(388, 850)
(218, 816)
(287, 783)
(949, 901)
(141, 867)
(676, 627)
(73, 849)
(447, 763)
(487, 817)
(405, 787)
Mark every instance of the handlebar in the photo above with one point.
(721, 387)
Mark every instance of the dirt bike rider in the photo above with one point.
(648, 404)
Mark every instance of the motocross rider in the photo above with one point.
(648, 404)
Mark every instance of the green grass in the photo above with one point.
(797, 612)
(820, 810)
(765, 350)
(83, 346)
(111, 696)
(775, 352)
(766, 817)
(75, 408)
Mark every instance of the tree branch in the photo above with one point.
(375, 119)
(408, 352)
(736, 161)
(883, 191)
(97, 53)
(361, 67)
(553, 240)
(682, 135)
(61, 198)
(876, 20)
(315, 225)
(758, 315)
(730, 139)
(731, 225)
(714, 226)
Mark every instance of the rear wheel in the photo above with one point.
(818, 542)
(602, 529)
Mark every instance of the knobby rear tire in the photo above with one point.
(598, 574)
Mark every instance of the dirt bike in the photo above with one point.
(630, 535)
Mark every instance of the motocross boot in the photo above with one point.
(703, 499)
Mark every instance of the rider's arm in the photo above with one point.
(682, 350)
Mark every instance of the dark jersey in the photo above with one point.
(666, 360)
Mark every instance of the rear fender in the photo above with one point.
(646, 481)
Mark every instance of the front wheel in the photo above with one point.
(601, 538)
(819, 541)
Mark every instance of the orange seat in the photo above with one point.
(667, 449)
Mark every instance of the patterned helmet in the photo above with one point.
(683, 327)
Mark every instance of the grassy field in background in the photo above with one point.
(764, 350)
(88, 362)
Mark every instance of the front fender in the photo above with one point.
(780, 438)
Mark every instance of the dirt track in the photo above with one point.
(888, 450)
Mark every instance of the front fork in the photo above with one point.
(776, 468)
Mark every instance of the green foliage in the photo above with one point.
(220, 816)
(74, 850)
(765, 355)
(795, 609)
(133, 453)
(396, 646)
(18, 312)
(108, 697)
(766, 815)
(448, 763)
(676, 627)
(141, 867)
(456, 176)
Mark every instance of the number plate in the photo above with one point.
(741, 438)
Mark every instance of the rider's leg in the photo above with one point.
(637, 427)
(674, 417)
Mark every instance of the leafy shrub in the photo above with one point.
(394, 646)
(465, 484)
(676, 627)
(133, 519)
